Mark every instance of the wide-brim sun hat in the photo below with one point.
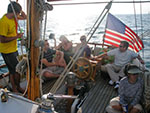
(133, 69)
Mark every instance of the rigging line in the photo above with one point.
(15, 14)
(28, 35)
(135, 16)
(96, 22)
(104, 34)
(76, 56)
(69, 66)
(141, 26)
(26, 88)
(16, 21)
(86, 3)
(42, 53)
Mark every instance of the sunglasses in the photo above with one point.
(82, 39)
(121, 46)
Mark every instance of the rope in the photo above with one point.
(42, 53)
(102, 2)
(28, 35)
(17, 22)
(42, 6)
(76, 56)
(22, 66)
(135, 16)
(141, 27)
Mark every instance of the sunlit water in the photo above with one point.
(74, 26)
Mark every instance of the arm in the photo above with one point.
(4, 39)
(61, 60)
(138, 95)
(101, 56)
(62, 63)
(59, 46)
(67, 46)
(22, 16)
(122, 102)
(88, 52)
(48, 64)
(121, 93)
(140, 59)
(55, 43)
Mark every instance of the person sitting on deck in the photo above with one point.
(122, 56)
(86, 51)
(66, 47)
(53, 61)
(130, 92)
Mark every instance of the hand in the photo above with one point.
(19, 35)
(22, 16)
(142, 61)
(125, 108)
(44, 61)
(54, 38)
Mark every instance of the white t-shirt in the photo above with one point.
(122, 58)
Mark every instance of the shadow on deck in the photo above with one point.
(98, 97)
(47, 85)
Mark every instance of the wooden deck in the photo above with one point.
(98, 97)
(47, 85)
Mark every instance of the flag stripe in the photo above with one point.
(118, 38)
(133, 37)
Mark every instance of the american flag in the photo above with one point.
(117, 31)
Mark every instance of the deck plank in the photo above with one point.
(98, 97)
(47, 85)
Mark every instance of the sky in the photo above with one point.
(116, 8)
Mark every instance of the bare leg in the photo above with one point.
(134, 110)
(50, 75)
(12, 81)
(17, 81)
(117, 107)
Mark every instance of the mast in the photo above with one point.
(33, 35)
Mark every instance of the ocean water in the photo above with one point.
(74, 27)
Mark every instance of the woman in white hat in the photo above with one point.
(130, 92)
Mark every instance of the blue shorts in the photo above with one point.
(11, 61)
